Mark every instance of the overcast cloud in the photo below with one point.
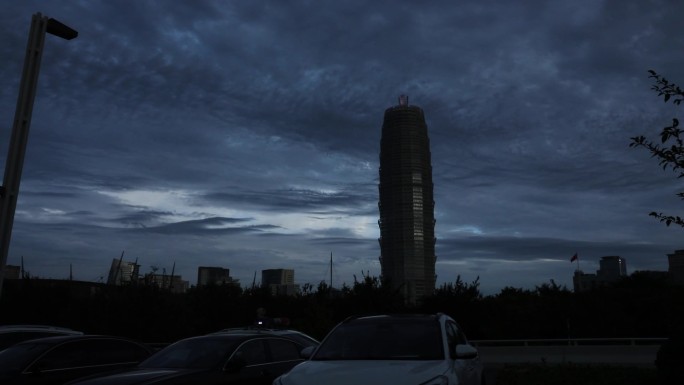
(246, 134)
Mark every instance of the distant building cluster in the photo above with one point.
(123, 273)
(613, 268)
(127, 273)
(279, 281)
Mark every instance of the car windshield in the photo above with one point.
(195, 353)
(386, 339)
(15, 358)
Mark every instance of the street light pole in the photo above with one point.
(9, 191)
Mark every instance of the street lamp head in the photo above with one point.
(56, 28)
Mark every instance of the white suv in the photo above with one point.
(407, 349)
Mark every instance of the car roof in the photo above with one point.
(229, 336)
(384, 317)
(80, 337)
(255, 330)
(36, 328)
(252, 333)
(260, 330)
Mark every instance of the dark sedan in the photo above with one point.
(230, 358)
(56, 360)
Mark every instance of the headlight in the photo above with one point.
(439, 380)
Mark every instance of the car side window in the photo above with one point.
(455, 334)
(284, 350)
(119, 351)
(66, 355)
(451, 339)
(460, 335)
(254, 352)
(90, 353)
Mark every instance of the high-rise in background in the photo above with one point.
(407, 219)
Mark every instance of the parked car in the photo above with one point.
(220, 358)
(56, 360)
(391, 349)
(12, 334)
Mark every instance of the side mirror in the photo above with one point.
(307, 352)
(235, 363)
(465, 352)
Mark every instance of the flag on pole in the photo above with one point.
(573, 258)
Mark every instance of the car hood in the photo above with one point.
(135, 376)
(364, 372)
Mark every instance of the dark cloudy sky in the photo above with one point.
(245, 134)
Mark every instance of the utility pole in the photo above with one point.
(22, 121)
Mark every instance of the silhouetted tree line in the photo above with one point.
(636, 306)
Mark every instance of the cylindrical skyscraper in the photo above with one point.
(407, 218)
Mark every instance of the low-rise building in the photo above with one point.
(280, 281)
(214, 276)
